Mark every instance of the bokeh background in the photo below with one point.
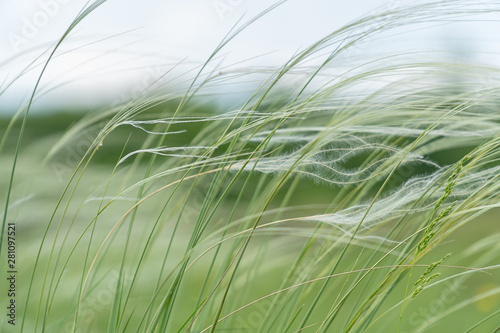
(126, 42)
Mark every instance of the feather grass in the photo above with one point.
(321, 200)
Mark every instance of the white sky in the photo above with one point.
(161, 33)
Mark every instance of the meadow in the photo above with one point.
(348, 192)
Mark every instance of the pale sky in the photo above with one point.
(125, 42)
